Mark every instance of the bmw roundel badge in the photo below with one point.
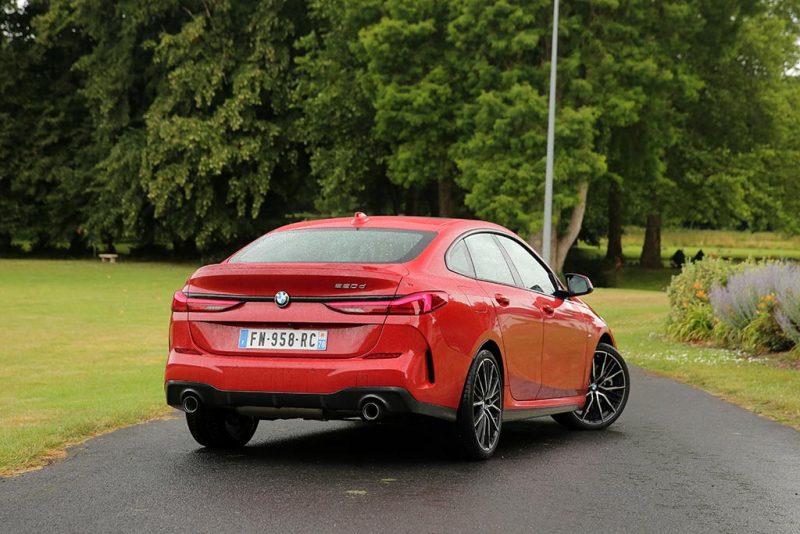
(282, 299)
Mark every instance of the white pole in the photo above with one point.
(551, 126)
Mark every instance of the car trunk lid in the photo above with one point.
(247, 297)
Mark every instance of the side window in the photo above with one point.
(488, 259)
(458, 260)
(534, 275)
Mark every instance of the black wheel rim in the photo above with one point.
(608, 387)
(487, 411)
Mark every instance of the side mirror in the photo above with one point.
(578, 285)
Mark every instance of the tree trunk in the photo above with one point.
(565, 242)
(446, 185)
(614, 250)
(651, 250)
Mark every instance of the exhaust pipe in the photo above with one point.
(372, 409)
(191, 403)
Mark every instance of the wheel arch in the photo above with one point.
(607, 338)
(494, 348)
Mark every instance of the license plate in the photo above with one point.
(283, 339)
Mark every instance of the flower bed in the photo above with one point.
(754, 307)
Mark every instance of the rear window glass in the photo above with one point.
(336, 245)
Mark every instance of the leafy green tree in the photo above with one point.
(505, 68)
(118, 82)
(646, 64)
(219, 128)
(738, 135)
(338, 114)
(416, 99)
(45, 148)
(192, 121)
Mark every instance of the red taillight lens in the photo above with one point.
(183, 303)
(416, 304)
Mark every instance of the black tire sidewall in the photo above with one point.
(209, 429)
(467, 439)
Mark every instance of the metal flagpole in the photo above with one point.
(551, 124)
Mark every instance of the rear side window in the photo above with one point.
(458, 260)
(488, 260)
(336, 245)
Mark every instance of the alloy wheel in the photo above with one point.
(608, 389)
(486, 404)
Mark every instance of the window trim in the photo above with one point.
(517, 280)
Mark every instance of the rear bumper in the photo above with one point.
(283, 405)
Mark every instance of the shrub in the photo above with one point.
(691, 316)
(696, 323)
(787, 314)
(757, 309)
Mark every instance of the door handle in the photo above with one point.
(546, 308)
(501, 299)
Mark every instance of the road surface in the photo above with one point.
(678, 460)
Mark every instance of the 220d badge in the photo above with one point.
(377, 317)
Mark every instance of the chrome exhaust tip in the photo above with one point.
(372, 410)
(191, 403)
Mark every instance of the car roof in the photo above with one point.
(400, 222)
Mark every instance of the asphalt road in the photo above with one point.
(678, 460)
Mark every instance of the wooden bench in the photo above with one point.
(110, 258)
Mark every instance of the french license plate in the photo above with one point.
(283, 339)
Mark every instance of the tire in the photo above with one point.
(221, 429)
(606, 398)
(480, 413)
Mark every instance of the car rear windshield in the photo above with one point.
(336, 245)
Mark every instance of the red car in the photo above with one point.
(375, 317)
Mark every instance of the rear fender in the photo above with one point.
(492, 341)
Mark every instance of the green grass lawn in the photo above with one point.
(722, 243)
(84, 345)
(83, 351)
(733, 245)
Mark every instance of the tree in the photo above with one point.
(338, 112)
(648, 48)
(416, 99)
(219, 136)
(45, 163)
(191, 112)
(118, 82)
(733, 159)
(504, 55)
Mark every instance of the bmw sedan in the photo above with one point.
(378, 317)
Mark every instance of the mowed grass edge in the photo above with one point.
(84, 345)
(83, 351)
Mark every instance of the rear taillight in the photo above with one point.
(183, 303)
(416, 304)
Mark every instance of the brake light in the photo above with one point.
(183, 303)
(415, 304)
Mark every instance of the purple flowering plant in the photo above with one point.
(759, 307)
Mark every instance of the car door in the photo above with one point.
(563, 362)
(521, 322)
